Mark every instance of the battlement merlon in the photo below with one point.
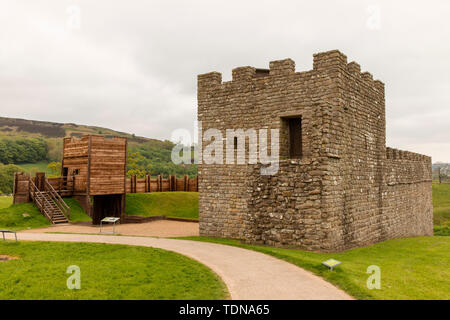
(329, 61)
(282, 67)
(209, 80)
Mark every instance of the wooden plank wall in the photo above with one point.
(76, 147)
(158, 184)
(107, 165)
(75, 156)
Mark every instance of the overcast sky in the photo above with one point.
(132, 65)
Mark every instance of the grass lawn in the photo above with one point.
(413, 268)
(12, 217)
(441, 204)
(107, 272)
(170, 204)
(5, 202)
(76, 211)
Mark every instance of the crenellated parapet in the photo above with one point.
(324, 62)
(396, 154)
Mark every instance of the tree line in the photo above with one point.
(7, 177)
(154, 160)
(22, 150)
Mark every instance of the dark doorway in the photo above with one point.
(65, 173)
(107, 206)
(295, 137)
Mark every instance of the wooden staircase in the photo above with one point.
(50, 203)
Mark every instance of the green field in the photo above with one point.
(107, 272)
(35, 167)
(413, 268)
(170, 204)
(5, 202)
(441, 204)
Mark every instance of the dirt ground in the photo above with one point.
(4, 257)
(159, 228)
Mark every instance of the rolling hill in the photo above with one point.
(13, 127)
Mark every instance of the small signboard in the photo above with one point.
(112, 220)
(331, 263)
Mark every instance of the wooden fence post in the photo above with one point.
(15, 187)
(147, 183)
(159, 183)
(173, 181)
(186, 182)
(133, 184)
(40, 180)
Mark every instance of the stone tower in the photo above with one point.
(338, 186)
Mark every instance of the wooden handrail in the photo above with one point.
(53, 191)
(39, 203)
(65, 209)
(66, 184)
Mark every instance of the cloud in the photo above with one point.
(132, 66)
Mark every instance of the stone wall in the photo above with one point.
(407, 194)
(347, 189)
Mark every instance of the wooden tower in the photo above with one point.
(94, 167)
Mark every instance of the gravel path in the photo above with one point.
(247, 274)
(158, 228)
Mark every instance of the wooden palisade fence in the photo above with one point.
(159, 184)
